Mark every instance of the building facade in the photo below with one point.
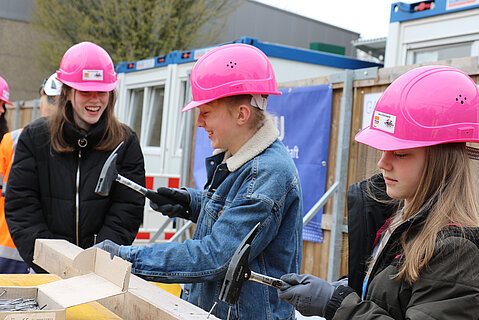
(20, 40)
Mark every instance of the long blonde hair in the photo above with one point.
(447, 190)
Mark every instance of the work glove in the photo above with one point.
(174, 203)
(341, 282)
(109, 246)
(308, 294)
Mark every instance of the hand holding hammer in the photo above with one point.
(168, 201)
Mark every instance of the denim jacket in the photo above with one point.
(259, 183)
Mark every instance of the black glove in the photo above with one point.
(171, 202)
(109, 246)
(308, 294)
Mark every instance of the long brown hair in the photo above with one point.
(447, 190)
(114, 131)
(3, 120)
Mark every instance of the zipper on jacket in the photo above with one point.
(210, 187)
(214, 184)
(77, 201)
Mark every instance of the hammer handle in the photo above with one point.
(269, 281)
(130, 184)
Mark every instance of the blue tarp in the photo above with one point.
(303, 117)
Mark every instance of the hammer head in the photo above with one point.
(108, 174)
(238, 270)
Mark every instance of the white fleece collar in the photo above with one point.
(261, 140)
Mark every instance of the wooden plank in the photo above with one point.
(87, 311)
(316, 255)
(143, 300)
(362, 159)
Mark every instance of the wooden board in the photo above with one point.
(87, 311)
(143, 300)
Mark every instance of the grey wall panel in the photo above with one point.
(270, 24)
(266, 23)
(16, 9)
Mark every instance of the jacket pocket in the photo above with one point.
(212, 211)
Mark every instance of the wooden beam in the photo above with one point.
(143, 300)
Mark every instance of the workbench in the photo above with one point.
(87, 311)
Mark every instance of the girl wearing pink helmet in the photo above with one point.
(251, 179)
(58, 160)
(419, 236)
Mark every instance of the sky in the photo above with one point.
(370, 18)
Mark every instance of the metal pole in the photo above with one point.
(160, 231)
(36, 103)
(17, 113)
(314, 210)
(342, 154)
(185, 164)
(181, 231)
(185, 160)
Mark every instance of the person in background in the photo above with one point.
(51, 188)
(49, 92)
(10, 259)
(423, 262)
(251, 179)
(4, 99)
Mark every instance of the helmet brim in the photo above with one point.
(92, 86)
(6, 101)
(193, 104)
(385, 141)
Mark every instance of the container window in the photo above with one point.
(442, 53)
(135, 110)
(155, 116)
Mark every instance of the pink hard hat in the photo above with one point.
(87, 67)
(229, 70)
(425, 106)
(4, 92)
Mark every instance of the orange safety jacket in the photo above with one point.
(10, 260)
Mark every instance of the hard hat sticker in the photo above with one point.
(6, 94)
(92, 75)
(383, 121)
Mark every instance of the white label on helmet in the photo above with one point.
(6, 94)
(92, 75)
(383, 121)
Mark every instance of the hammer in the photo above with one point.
(238, 272)
(109, 173)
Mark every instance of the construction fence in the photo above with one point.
(360, 94)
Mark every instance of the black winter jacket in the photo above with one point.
(365, 217)
(52, 195)
(448, 288)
